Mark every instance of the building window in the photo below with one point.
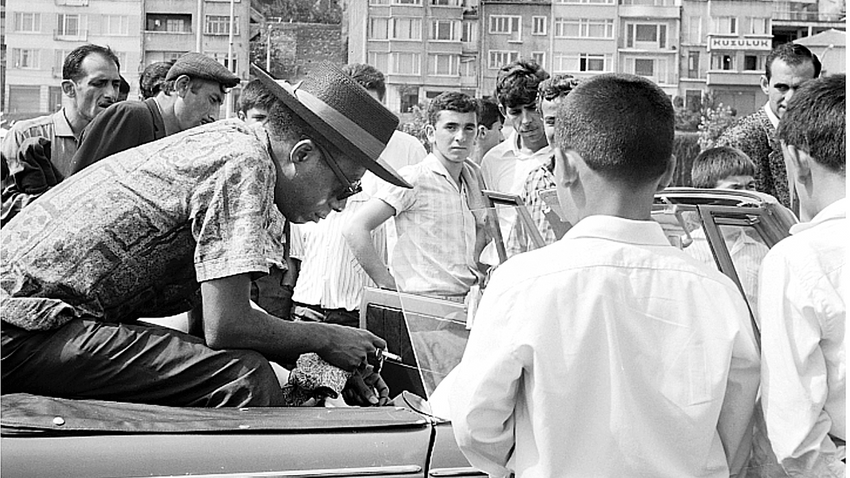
(116, 25)
(469, 67)
(407, 2)
(405, 64)
(68, 25)
(24, 99)
(644, 67)
(222, 58)
(25, 58)
(27, 22)
(220, 25)
(444, 30)
(409, 98)
(506, 25)
(378, 28)
(379, 2)
(407, 28)
(693, 100)
(758, 26)
(693, 64)
(584, 28)
(597, 2)
(726, 25)
(539, 57)
(444, 65)
(170, 23)
(585, 62)
(722, 61)
(752, 63)
(470, 32)
(538, 25)
(500, 58)
(446, 3)
(648, 36)
(694, 31)
(379, 60)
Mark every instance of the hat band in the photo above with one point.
(361, 138)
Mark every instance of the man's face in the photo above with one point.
(453, 135)
(783, 83)
(526, 121)
(254, 115)
(312, 190)
(549, 110)
(98, 88)
(197, 107)
(489, 137)
(738, 183)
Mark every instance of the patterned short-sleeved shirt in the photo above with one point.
(133, 235)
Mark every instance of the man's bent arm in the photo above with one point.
(230, 322)
(359, 238)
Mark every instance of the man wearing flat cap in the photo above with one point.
(193, 91)
(181, 222)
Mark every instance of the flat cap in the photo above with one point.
(197, 65)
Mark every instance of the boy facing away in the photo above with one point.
(609, 353)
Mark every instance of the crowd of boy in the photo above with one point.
(637, 355)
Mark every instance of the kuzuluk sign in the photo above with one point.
(721, 43)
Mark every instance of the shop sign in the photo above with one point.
(721, 43)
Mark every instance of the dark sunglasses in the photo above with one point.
(351, 188)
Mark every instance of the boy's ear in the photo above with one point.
(482, 132)
(430, 133)
(240, 115)
(797, 162)
(667, 177)
(566, 171)
(502, 110)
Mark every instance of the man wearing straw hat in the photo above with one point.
(181, 222)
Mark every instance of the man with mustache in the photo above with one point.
(39, 151)
(191, 95)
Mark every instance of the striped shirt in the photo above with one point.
(436, 232)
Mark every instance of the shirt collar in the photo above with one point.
(836, 210)
(61, 126)
(774, 120)
(620, 230)
(513, 141)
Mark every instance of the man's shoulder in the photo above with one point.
(750, 127)
(127, 108)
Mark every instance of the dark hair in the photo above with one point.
(488, 113)
(451, 101)
(558, 85)
(255, 95)
(620, 124)
(72, 68)
(517, 83)
(792, 54)
(716, 164)
(815, 121)
(368, 77)
(153, 76)
(125, 87)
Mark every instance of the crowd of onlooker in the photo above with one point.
(606, 353)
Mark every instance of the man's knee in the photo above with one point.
(253, 384)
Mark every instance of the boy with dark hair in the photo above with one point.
(609, 353)
(150, 83)
(490, 122)
(723, 167)
(551, 227)
(254, 103)
(803, 291)
(437, 232)
(505, 167)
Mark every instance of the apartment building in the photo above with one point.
(40, 33)
(424, 47)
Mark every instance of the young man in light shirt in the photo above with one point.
(437, 248)
(803, 291)
(609, 353)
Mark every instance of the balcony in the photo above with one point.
(71, 3)
(787, 15)
(732, 78)
(650, 8)
(64, 35)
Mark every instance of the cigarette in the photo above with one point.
(391, 356)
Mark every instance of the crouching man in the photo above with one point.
(181, 222)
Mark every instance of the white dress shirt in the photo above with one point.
(607, 354)
(803, 310)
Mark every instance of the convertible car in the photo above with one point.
(55, 437)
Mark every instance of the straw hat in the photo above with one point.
(343, 112)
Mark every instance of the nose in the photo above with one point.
(788, 95)
(526, 116)
(112, 93)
